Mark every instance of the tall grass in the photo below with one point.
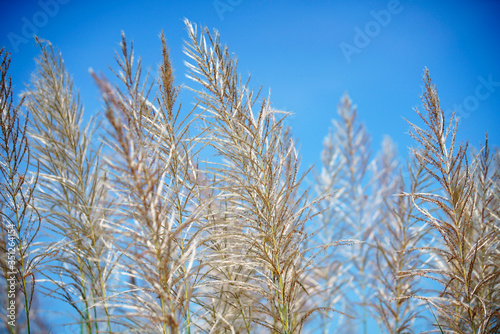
(71, 198)
(259, 180)
(349, 212)
(154, 177)
(157, 218)
(469, 234)
(399, 249)
(20, 219)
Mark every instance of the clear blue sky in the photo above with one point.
(307, 52)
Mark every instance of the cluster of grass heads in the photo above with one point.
(159, 219)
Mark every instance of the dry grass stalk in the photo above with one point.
(400, 244)
(350, 212)
(155, 179)
(470, 240)
(259, 180)
(20, 224)
(70, 196)
(196, 223)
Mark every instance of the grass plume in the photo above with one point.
(158, 218)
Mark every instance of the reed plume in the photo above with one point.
(469, 243)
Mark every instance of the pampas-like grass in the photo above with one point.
(399, 247)
(259, 180)
(20, 221)
(352, 211)
(163, 219)
(154, 177)
(469, 235)
(70, 197)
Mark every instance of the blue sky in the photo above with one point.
(296, 49)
